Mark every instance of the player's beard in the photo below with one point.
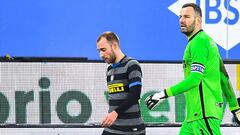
(188, 30)
(111, 58)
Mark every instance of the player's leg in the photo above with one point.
(186, 129)
(209, 126)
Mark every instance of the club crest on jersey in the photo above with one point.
(111, 77)
(197, 68)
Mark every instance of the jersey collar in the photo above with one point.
(116, 64)
(194, 35)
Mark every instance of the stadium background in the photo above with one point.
(55, 58)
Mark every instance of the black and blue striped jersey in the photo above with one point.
(124, 81)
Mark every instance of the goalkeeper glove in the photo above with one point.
(153, 100)
(236, 113)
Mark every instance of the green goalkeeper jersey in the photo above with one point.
(205, 80)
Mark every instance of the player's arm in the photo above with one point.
(193, 80)
(199, 54)
(131, 100)
(229, 93)
(227, 88)
(135, 85)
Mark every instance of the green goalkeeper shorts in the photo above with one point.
(208, 126)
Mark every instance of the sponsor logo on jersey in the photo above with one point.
(116, 88)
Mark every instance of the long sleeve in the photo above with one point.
(132, 99)
(193, 80)
(227, 88)
(135, 85)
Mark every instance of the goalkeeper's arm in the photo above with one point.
(190, 82)
(229, 93)
(193, 80)
(227, 88)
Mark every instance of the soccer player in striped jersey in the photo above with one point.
(124, 81)
(205, 79)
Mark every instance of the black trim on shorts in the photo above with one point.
(140, 127)
(107, 133)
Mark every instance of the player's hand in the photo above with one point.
(236, 114)
(153, 100)
(109, 119)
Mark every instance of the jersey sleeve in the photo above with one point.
(199, 55)
(135, 85)
(227, 88)
(134, 73)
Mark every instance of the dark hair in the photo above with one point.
(110, 36)
(196, 8)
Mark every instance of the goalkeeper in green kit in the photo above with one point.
(205, 80)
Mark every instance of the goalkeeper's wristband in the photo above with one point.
(236, 114)
(165, 92)
(168, 92)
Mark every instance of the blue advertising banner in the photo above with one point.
(148, 30)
